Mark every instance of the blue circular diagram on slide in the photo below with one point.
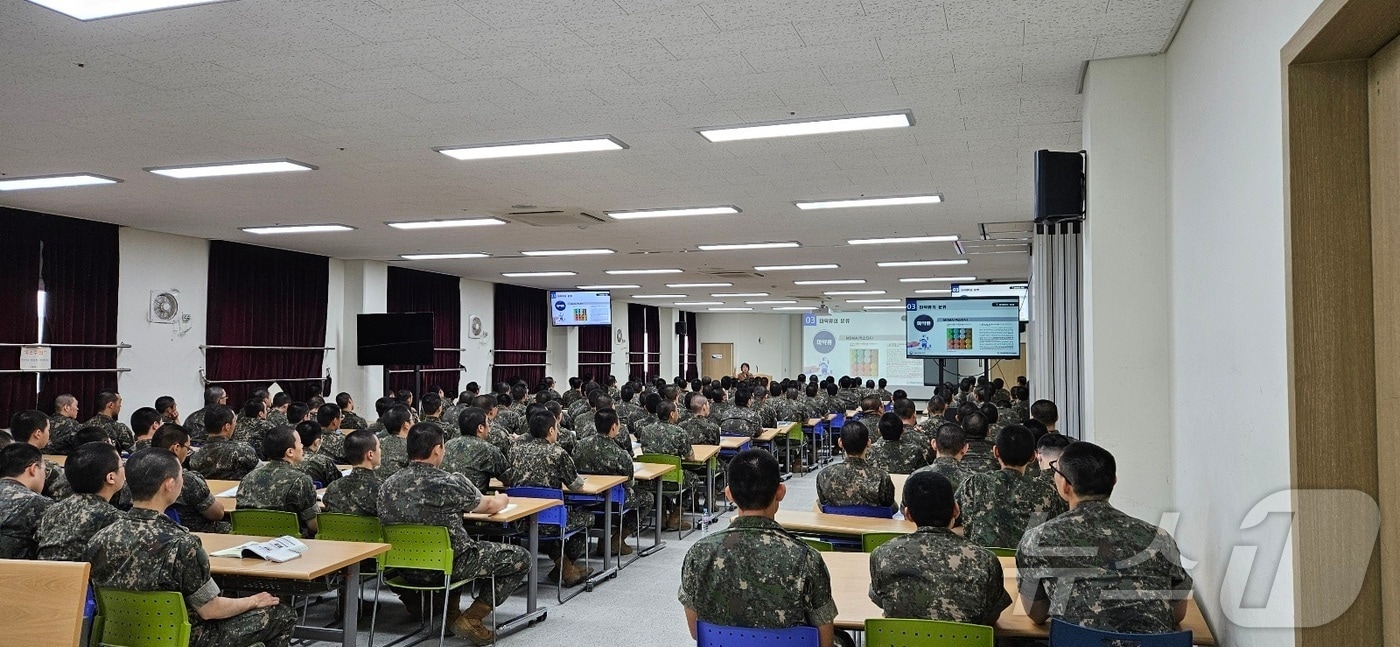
(824, 342)
(559, 305)
(923, 323)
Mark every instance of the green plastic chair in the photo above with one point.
(335, 526)
(819, 545)
(140, 619)
(265, 523)
(675, 476)
(425, 548)
(899, 632)
(872, 540)
(1003, 552)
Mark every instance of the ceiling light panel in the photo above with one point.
(785, 268)
(612, 286)
(739, 294)
(699, 285)
(442, 257)
(933, 291)
(568, 252)
(444, 224)
(532, 275)
(741, 246)
(779, 302)
(656, 271)
(658, 296)
(222, 169)
(892, 201)
(906, 239)
(730, 309)
(960, 261)
(874, 300)
(298, 229)
(832, 282)
(853, 293)
(940, 279)
(638, 214)
(54, 181)
(796, 308)
(817, 126)
(531, 148)
(95, 9)
(698, 303)
(884, 307)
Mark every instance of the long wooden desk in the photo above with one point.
(652, 472)
(321, 558)
(594, 486)
(44, 607)
(850, 577)
(728, 443)
(705, 455)
(57, 459)
(839, 524)
(523, 508)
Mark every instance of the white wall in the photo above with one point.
(620, 358)
(365, 290)
(164, 359)
(762, 340)
(1127, 284)
(478, 298)
(335, 334)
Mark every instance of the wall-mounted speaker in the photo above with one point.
(680, 328)
(1059, 186)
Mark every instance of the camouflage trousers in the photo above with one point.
(509, 563)
(271, 626)
(579, 519)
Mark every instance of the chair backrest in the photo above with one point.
(264, 523)
(141, 618)
(555, 516)
(173, 514)
(839, 421)
(1065, 634)
(860, 511)
(426, 548)
(819, 545)
(336, 526)
(794, 432)
(673, 476)
(708, 635)
(1002, 552)
(872, 540)
(901, 632)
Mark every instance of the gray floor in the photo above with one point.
(638, 607)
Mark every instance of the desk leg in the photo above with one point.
(608, 569)
(532, 594)
(657, 544)
(350, 600)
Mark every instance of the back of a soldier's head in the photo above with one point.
(1046, 412)
(1015, 445)
(975, 424)
(1050, 446)
(1090, 470)
(928, 499)
(870, 403)
(88, 468)
(891, 427)
(855, 437)
(147, 470)
(950, 440)
(422, 439)
(540, 424)
(754, 479)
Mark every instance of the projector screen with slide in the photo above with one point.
(868, 345)
(963, 328)
(1018, 290)
(580, 308)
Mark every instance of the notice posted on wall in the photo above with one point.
(962, 328)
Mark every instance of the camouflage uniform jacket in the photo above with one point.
(913, 434)
(540, 463)
(65, 528)
(501, 437)
(61, 432)
(590, 428)
(378, 429)
(425, 495)
(195, 498)
(979, 456)
(571, 396)
(277, 418)
(933, 574)
(332, 445)
(449, 430)
(224, 459)
(352, 420)
(279, 485)
(898, 457)
(583, 420)
(194, 423)
(119, 433)
(55, 481)
(320, 468)
(509, 420)
(855, 482)
(598, 454)
(951, 469)
(701, 431)
(20, 511)
(630, 414)
(1122, 577)
(767, 415)
(741, 421)
(251, 431)
(998, 507)
(664, 438)
(393, 455)
(1008, 416)
(885, 395)
(1021, 411)
(357, 493)
(640, 425)
(577, 407)
(475, 459)
(755, 574)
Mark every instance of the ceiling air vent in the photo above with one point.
(555, 218)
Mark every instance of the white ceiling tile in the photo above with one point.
(1133, 44)
(769, 81)
(770, 37)
(691, 20)
(636, 52)
(387, 54)
(700, 68)
(519, 13)
(745, 14)
(847, 53)
(891, 23)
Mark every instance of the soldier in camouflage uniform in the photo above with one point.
(96, 475)
(909, 415)
(221, 457)
(21, 504)
(628, 411)
(332, 440)
(854, 481)
(998, 507)
(933, 574)
(1096, 566)
(893, 453)
(277, 414)
(507, 417)
(538, 461)
(31, 427)
(950, 444)
(199, 510)
(63, 425)
(584, 423)
(740, 419)
(146, 551)
(573, 394)
(701, 429)
(144, 423)
(358, 492)
(393, 447)
(278, 484)
(109, 406)
(472, 455)
(423, 494)
(194, 423)
(252, 425)
(169, 412)
(318, 466)
(883, 393)
(979, 449)
(349, 419)
(758, 404)
(432, 414)
(600, 454)
(754, 573)
(667, 438)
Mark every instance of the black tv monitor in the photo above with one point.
(398, 338)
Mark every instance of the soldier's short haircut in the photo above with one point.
(1090, 469)
(937, 404)
(88, 466)
(831, 388)
(1045, 411)
(905, 409)
(327, 414)
(1020, 393)
(17, 457)
(504, 400)
(929, 497)
(384, 404)
(812, 390)
(753, 479)
(574, 383)
(469, 419)
(281, 399)
(604, 420)
(106, 398)
(1052, 445)
(63, 401)
(164, 403)
(1015, 445)
(669, 393)
(484, 402)
(395, 418)
(432, 403)
(277, 441)
(854, 437)
(422, 438)
(309, 431)
(170, 435)
(742, 397)
(651, 401)
(883, 383)
(554, 408)
(518, 391)
(950, 438)
(990, 411)
(314, 402)
(540, 424)
(5, 438)
(664, 411)
(403, 395)
(24, 424)
(1037, 428)
(535, 409)
(870, 403)
(216, 416)
(212, 395)
(627, 393)
(147, 469)
(870, 384)
(358, 443)
(296, 411)
(91, 434)
(342, 399)
(975, 424)
(143, 418)
(891, 427)
(252, 408)
(697, 403)
(726, 382)
(262, 394)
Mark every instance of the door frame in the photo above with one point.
(705, 355)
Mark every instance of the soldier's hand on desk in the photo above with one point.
(492, 504)
(264, 600)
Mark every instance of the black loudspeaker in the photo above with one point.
(680, 328)
(1059, 186)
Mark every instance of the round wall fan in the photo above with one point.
(165, 307)
(475, 329)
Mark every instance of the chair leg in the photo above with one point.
(374, 614)
(446, 591)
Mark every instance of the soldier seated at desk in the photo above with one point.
(854, 481)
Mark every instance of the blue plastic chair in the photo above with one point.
(708, 635)
(860, 511)
(173, 514)
(1065, 634)
(557, 516)
(619, 508)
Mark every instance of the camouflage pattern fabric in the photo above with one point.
(278, 418)
(320, 468)
(119, 433)
(251, 431)
(140, 444)
(279, 485)
(332, 445)
(194, 423)
(571, 396)
(598, 454)
(509, 420)
(998, 507)
(741, 421)
(65, 528)
(449, 430)
(979, 456)
(393, 455)
(701, 431)
(1104, 569)
(55, 482)
(951, 469)
(352, 420)
(539, 463)
(933, 574)
(897, 457)
(223, 459)
(20, 511)
(357, 493)
(913, 434)
(855, 482)
(755, 574)
(62, 429)
(662, 438)
(195, 498)
(474, 458)
(501, 437)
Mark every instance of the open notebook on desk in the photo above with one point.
(281, 549)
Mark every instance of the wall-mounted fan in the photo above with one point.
(475, 329)
(620, 339)
(165, 307)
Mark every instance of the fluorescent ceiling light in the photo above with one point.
(658, 296)
(54, 181)
(661, 271)
(940, 279)
(884, 307)
(615, 286)
(220, 169)
(441, 257)
(536, 147)
(94, 9)
(770, 303)
(853, 293)
(699, 285)
(960, 261)
(730, 309)
(739, 294)
(831, 282)
(818, 126)
(698, 303)
(933, 291)
(779, 268)
(526, 275)
(297, 229)
(441, 224)
(637, 214)
(734, 246)
(802, 308)
(568, 252)
(874, 300)
(906, 239)
(892, 201)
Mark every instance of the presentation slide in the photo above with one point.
(963, 328)
(1018, 290)
(581, 308)
(868, 345)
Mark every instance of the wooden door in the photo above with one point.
(716, 360)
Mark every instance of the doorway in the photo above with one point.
(716, 360)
